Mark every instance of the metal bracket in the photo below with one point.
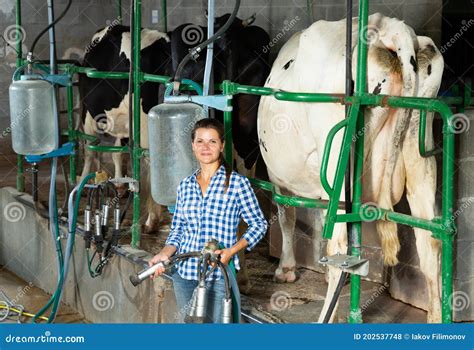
(214, 101)
(59, 79)
(347, 263)
(65, 150)
(133, 185)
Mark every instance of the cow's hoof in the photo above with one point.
(285, 275)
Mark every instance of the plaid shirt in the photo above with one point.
(198, 219)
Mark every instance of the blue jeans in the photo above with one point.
(183, 290)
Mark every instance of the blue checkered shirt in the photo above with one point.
(198, 219)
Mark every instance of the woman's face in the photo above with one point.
(207, 146)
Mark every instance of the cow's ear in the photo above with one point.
(250, 20)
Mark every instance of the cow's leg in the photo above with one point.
(337, 244)
(154, 216)
(89, 129)
(421, 191)
(151, 210)
(286, 271)
(117, 157)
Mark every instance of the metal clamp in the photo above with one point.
(65, 150)
(133, 185)
(347, 263)
(214, 101)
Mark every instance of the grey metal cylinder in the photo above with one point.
(171, 156)
(201, 302)
(227, 310)
(32, 116)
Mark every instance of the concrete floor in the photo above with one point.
(33, 299)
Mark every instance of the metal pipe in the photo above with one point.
(136, 152)
(447, 211)
(111, 149)
(340, 171)
(20, 179)
(71, 134)
(309, 10)
(210, 52)
(355, 315)
(164, 16)
(228, 126)
(118, 10)
(422, 138)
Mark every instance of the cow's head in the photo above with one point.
(232, 33)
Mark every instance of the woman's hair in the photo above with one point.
(211, 123)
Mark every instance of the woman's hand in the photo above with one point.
(155, 260)
(226, 255)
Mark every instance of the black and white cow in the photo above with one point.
(106, 101)
(239, 57)
(293, 135)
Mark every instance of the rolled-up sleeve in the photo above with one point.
(177, 225)
(251, 213)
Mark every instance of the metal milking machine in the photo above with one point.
(208, 263)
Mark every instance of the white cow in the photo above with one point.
(292, 135)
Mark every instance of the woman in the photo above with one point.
(209, 205)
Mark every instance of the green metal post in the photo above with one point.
(309, 9)
(118, 9)
(164, 16)
(71, 135)
(136, 151)
(355, 315)
(20, 179)
(228, 126)
(447, 211)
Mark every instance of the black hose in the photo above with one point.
(177, 76)
(226, 279)
(347, 175)
(337, 292)
(49, 26)
(127, 205)
(90, 195)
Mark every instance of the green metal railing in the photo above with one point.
(443, 228)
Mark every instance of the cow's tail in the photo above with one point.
(401, 39)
